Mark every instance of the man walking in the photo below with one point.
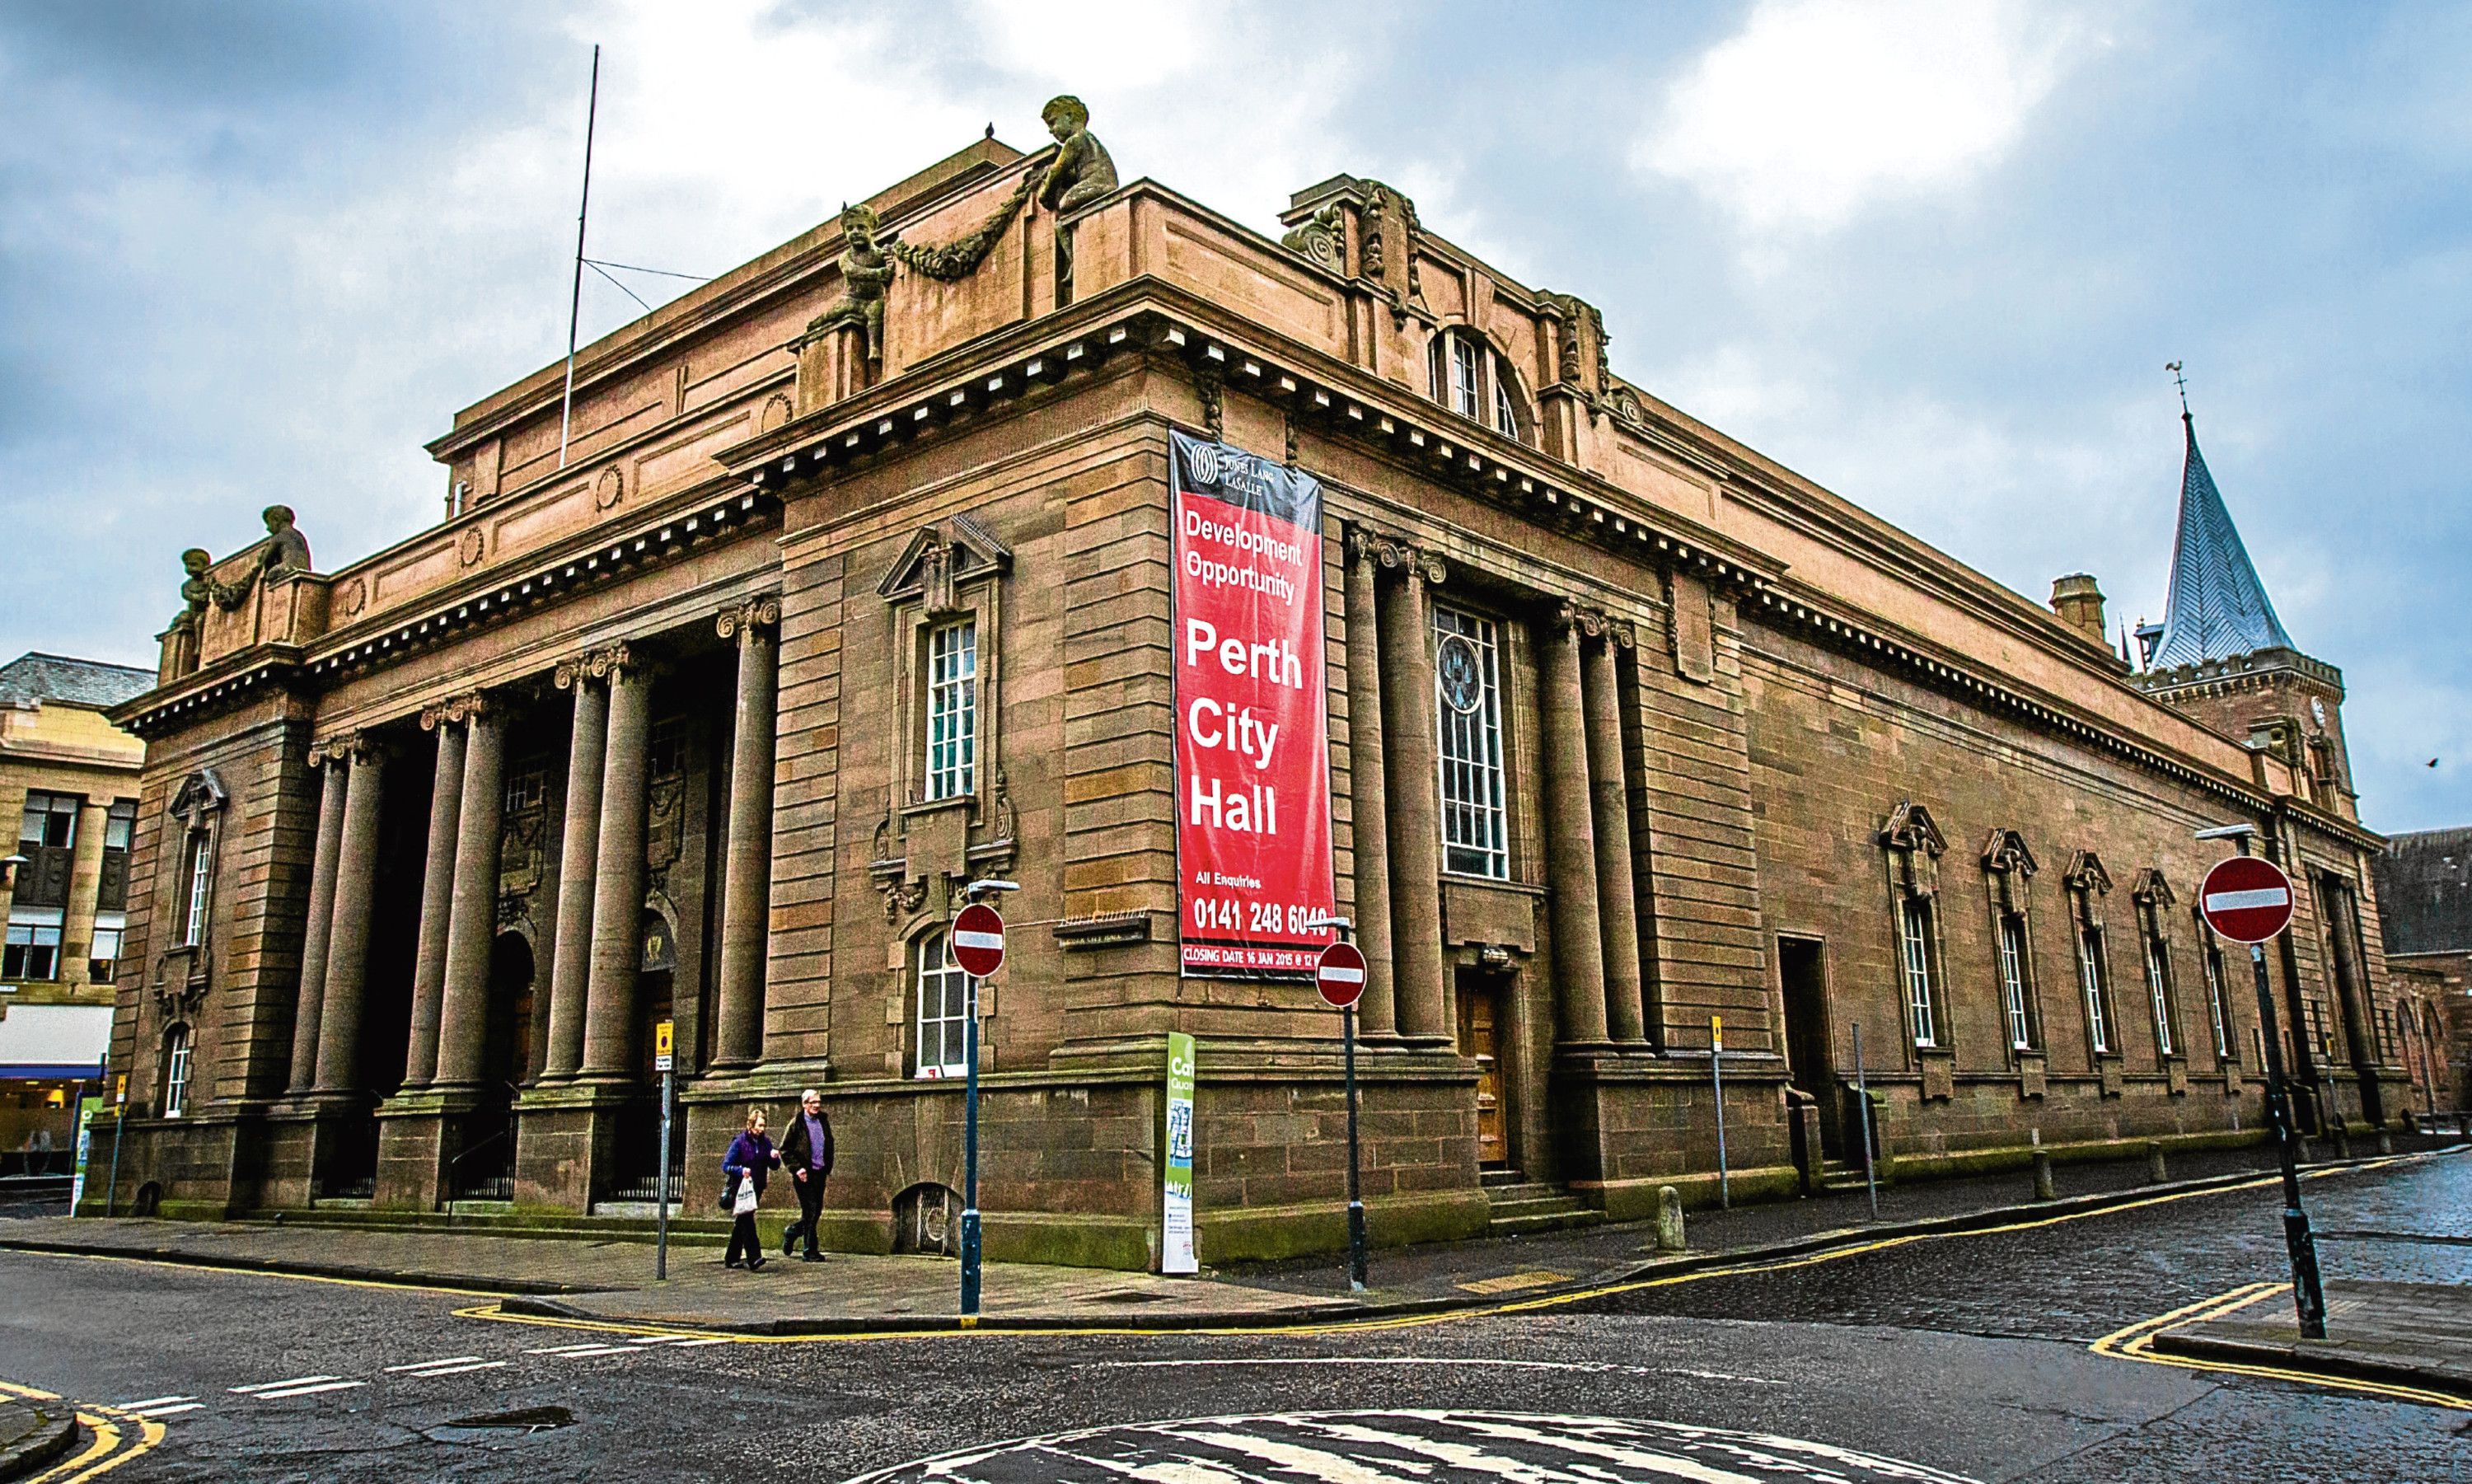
(807, 1153)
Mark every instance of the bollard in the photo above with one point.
(1669, 1219)
(2042, 1170)
(2155, 1173)
(2386, 1142)
(2342, 1138)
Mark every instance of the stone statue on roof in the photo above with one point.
(866, 272)
(285, 550)
(1082, 171)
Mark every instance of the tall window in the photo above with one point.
(33, 952)
(1475, 835)
(2090, 980)
(2158, 989)
(944, 1011)
(1915, 921)
(2012, 981)
(1468, 377)
(2217, 1016)
(952, 710)
(120, 824)
(193, 894)
(176, 1072)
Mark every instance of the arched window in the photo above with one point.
(176, 1072)
(1470, 377)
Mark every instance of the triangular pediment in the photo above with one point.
(2005, 851)
(1911, 828)
(2086, 874)
(200, 793)
(940, 558)
(2150, 887)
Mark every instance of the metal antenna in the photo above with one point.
(575, 305)
(2182, 382)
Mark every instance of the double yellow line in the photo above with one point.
(112, 1447)
(2136, 1342)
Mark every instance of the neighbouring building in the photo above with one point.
(2425, 912)
(854, 577)
(74, 776)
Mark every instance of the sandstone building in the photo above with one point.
(851, 580)
(2425, 910)
(71, 780)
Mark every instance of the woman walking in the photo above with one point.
(751, 1156)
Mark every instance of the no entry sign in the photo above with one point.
(1340, 975)
(978, 939)
(2246, 899)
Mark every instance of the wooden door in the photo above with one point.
(1478, 1007)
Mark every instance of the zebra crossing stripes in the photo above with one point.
(160, 1406)
(451, 1365)
(1408, 1446)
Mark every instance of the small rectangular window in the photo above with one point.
(50, 820)
(120, 824)
(526, 790)
(2158, 989)
(1467, 714)
(943, 1011)
(952, 710)
(102, 959)
(2090, 980)
(33, 953)
(2013, 982)
(1915, 917)
(666, 753)
(193, 915)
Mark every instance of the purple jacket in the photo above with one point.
(750, 1154)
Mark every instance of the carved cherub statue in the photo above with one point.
(866, 272)
(197, 590)
(286, 549)
(1082, 171)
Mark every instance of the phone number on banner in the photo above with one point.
(1236, 914)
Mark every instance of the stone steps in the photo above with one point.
(1522, 1206)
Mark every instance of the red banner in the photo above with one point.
(1252, 735)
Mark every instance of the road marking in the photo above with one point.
(1591, 1367)
(477, 1365)
(298, 1381)
(709, 1339)
(308, 1390)
(579, 1351)
(150, 1401)
(2135, 1342)
(568, 1349)
(423, 1365)
(164, 1411)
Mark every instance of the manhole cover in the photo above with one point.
(1429, 1447)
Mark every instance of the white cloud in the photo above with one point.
(1818, 108)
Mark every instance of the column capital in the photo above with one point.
(595, 664)
(352, 745)
(1595, 623)
(1370, 545)
(763, 610)
(469, 706)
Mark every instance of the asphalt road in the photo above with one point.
(1965, 1355)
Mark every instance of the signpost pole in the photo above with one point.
(970, 1165)
(1355, 1192)
(1863, 1099)
(2308, 1299)
(119, 1116)
(665, 1062)
(1717, 1073)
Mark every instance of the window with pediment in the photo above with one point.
(2008, 869)
(946, 594)
(1913, 844)
(2154, 900)
(2087, 884)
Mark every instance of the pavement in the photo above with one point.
(613, 1280)
(2417, 1336)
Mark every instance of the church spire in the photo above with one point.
(2216, 607)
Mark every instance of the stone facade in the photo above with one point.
(647, 729)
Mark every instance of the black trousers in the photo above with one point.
(741, 1239)
(810, 1206)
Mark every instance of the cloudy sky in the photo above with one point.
(1933, 253)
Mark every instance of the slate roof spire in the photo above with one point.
(2216, 607)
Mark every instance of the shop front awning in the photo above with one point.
(53, 1042)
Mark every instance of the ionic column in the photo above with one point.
(348, 941)
(1570, 841)
(1369, 798)
(325, 858)
(747, 887)
(1609, 785)
(618, 881)
(1414, 797)
(465, 1018)
(570, 966)
(436, 898)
